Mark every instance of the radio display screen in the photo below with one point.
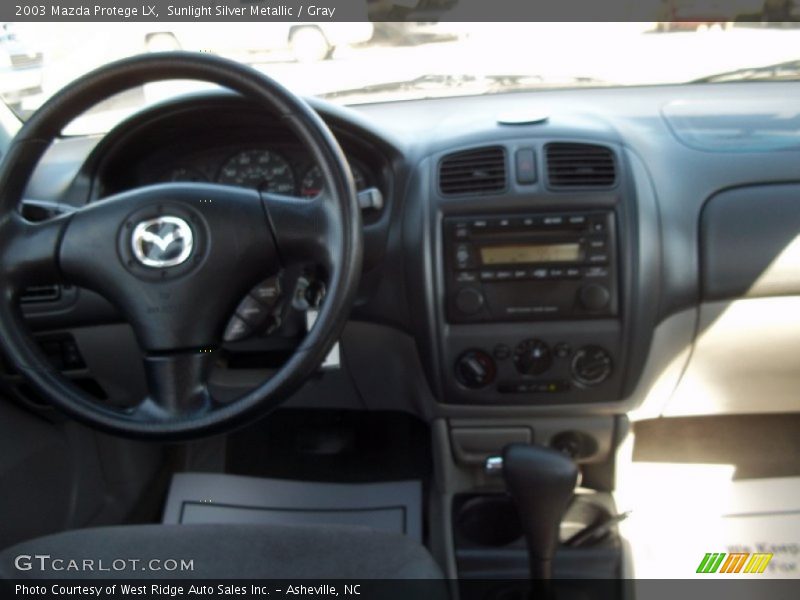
(530, 253)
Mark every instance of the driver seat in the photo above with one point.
(221, 552)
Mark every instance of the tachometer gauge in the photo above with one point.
(311, 185)
(184, 174)
(259, 169)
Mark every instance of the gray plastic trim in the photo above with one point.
(217, 498)
(750, 243)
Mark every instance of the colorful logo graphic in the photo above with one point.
(736, 562)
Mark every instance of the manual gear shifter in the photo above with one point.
(541, 482)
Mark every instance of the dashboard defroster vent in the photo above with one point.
(478, 171)
(580, 165)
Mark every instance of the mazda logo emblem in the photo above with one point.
(162, 242)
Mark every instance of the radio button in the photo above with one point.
(596, 272)
(464, 256)
(539, 273)
(480, 224)
(501, 351)
(598, 226)
(598, 258)
(597, 244)
(469, 301)
(579, 220)
(562, 350)
(553, 221)
(594, 296)
(466, 277)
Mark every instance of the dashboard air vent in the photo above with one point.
(580, 165)
(40, 293)
(478, 171)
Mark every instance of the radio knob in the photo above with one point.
(532, 357)
(469, 301)
(594, 296)
(475, 369)
(591, 365)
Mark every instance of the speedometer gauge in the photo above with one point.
(312, 183)
(259, 169)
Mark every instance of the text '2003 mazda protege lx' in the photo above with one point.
(402, 308)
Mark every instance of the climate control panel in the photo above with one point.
(539, 364)
(537, 368)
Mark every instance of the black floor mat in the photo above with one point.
(758, 446)
(332, 446)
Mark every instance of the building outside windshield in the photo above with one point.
(358, 62)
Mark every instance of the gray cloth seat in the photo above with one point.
(223, 552)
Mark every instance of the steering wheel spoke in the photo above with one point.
(177, 383)
(29, 251)
(304, 230)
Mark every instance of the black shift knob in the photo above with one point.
(541, 481)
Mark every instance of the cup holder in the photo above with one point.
(487, 520)
(491, 520)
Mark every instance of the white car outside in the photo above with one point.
(307, 41)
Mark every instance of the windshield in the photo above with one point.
(360, 62)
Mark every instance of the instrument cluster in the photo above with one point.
(286, 171)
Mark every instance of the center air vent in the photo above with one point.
(478, 171)
(580, 165)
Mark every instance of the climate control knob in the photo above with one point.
(532, 357)
(475, 369)
(592, 365)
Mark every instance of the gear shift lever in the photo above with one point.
(541, 482)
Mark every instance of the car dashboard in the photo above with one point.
(548, 254)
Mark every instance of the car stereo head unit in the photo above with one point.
(530, 267)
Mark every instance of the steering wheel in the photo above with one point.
(176, 258)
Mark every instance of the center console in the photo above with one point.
(532, 279)
(534, 289)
